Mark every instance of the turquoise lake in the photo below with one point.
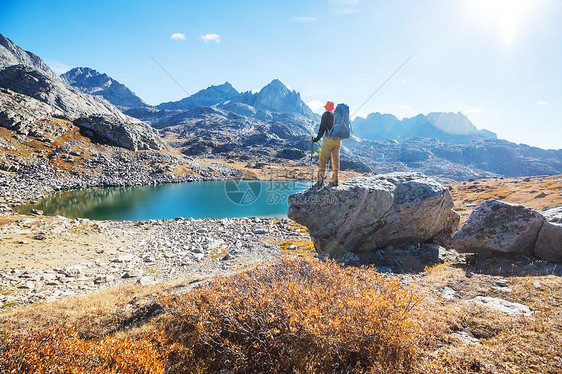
(208, 199)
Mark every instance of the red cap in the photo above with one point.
(329, 105)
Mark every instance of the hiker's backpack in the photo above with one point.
(342, 125)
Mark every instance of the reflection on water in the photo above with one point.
(209, 199)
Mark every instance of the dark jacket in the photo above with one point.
(325, 125)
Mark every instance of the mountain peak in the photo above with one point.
(452, 123)
(226, 85)
(211, 96)
(276, 97)
(75, 75)
(11, 54)
(277, 85)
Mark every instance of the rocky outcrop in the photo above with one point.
(132, 136)
(91, 82)
(36, 84)
(290, 154)
(21, 113)
(368, 213)
(500, 227)
(11, 54)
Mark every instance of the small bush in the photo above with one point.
(295, 315)
(60, 350)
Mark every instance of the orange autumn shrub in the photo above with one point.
(294, 315)
(60, 350)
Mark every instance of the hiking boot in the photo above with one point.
(317, 185)
(334, 183)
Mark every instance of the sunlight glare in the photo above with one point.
(506, 16)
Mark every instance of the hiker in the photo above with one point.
(330, 146)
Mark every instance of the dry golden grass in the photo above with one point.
(534, 192)
(507, 344)
(92, 316)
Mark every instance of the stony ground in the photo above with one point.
(43, 258)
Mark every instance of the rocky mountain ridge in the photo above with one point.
(219, 121)
(11, 54)
(32, 91)
(274, 97)
(456, 162)
(91, 82)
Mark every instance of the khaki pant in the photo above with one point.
(330, 146)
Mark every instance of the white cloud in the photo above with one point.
(404, 81)
(58, 67)
(472, 111)
(304, 19)
(178, 36)
(543, 103)
(316, 106)
(207, 38)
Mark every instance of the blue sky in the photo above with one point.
(497, 61)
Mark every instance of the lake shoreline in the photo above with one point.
(266, 198)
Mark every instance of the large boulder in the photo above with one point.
(496, 226)
(367, 213)
(500, 227)
(549, 242)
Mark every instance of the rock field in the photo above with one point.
(49, 257)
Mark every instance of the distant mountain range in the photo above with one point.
(274, 102)
(456, 162)
(448, 127)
